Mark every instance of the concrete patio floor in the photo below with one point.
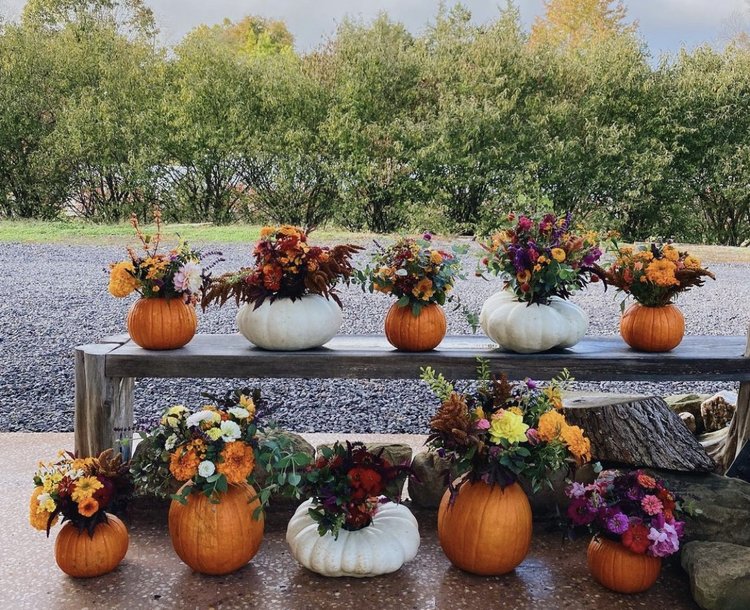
(554, 575)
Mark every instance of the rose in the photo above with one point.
(206, 468)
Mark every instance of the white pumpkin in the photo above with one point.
(526, 329)
(382, 547)
(287, 325)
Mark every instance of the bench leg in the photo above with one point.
(104, 405)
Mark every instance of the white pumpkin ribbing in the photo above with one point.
(287, 325)
(382, 547)
(526, 329)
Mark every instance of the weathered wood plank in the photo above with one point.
(371, 357)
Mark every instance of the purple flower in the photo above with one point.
(664, 542)
(427, 236)
(525, 223)
(618, 523)
(533, 436)
(593, 256)
(580, 512)
(576, 490)
(531, 384)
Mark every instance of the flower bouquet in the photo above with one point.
(633, 517)
(352, 525)
(169, 285)
(289, 294)
(82, 490)
(653, 276)
(542, 261)
(496, 434)
(421, 277)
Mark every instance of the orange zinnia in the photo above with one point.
(237, 462)
(88, 507)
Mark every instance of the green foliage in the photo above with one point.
(439, 385)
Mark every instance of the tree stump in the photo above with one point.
(639, 431)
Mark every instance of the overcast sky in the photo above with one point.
(665, 24)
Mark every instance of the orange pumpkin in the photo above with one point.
(83, 556)
(411, 333)
(652, 329)
(217, 538)
(162, 323)
(620, 569)
(487, 531)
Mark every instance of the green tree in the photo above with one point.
(251, 36)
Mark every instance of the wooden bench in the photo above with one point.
(105, 371)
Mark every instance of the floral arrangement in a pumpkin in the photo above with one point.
(421, 277)
(542, 260)
(502, 431)
(653, 276)
(496, 434)
(353, 524)
(632, 508)
(541, 256)
(289, 294)
(153, 274)
(85, 491)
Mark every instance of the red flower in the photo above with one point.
(636, 538)
(365, 482)
(272, 277)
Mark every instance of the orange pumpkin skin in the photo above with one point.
(162, 323)
(216, 538)
(411, 333)
(487, 531)
(652, 329)
(80, 556)
(617, 568)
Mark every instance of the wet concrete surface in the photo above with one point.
(554, 574)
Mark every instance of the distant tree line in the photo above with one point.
(378, 128)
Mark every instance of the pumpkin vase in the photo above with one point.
(382, 547)
(161, 324)
(527, 329)
(217, 538)
(620, 569)
(287, 325)
(419, 333)
(487, 530)
(652, 329)
(83, 556)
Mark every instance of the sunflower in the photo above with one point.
(237, 462)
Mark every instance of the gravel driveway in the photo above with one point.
(54, 297)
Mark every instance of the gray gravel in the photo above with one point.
(54, 297)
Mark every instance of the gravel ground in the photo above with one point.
(54, 297)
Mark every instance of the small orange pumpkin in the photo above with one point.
(487, 531)
(83, 556)
(620, 569)
(162, 323)
(652, 329)
(217, 538)
(411, 333)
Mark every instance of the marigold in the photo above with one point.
(577, 443)
(121, 279)
(661, 272)
(671, 253)
(266, 231)
(558, 254)
(237, 462)
(85, 488)
(692, 262)
(183, 464)
(550, 425)
(88, 507)
(38, 517)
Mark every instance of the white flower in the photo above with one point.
(239, 412)
(196, 418)
(230, 431)
(188, 278)
(170, 443)
(206, 468)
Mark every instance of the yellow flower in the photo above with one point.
(85, 488)
(577, 443)
(554, 396)
(247, 403)
(435, 257)
(424, 289)
(537, 268)
(550, 425)
(479, 413)
(516, 410)
(691, 262)
(156, 266)
(670, 253)
(558, 254)
(121, 280)
(542, 260)
(214, 434)
(509, 426)
(173, 415)
(38, 517)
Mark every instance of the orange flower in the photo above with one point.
(524, 276)
(550, 425)
(577, 443)
(424, 289)
(661, 272)
(691, 262)
(266, 231)
(184, 463)
(38, 517)
(88, 507)
(237, 462)
(670, 253)
(435, 257)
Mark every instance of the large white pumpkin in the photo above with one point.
(526, 329)
(286, 325)
(382, 547)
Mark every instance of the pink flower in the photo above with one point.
(652, 505)
(664, 542)
(533, 436)
(525, 223)
(483, 424)
(188, 278)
